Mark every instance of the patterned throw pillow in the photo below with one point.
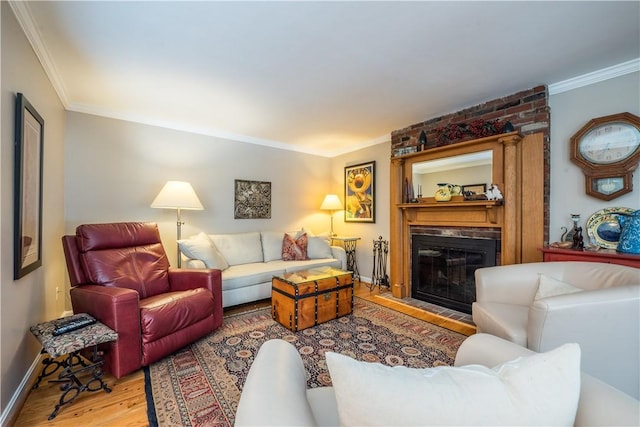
(294, 249)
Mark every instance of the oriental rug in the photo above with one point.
(200, 385)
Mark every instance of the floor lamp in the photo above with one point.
(331, 203)
(177, 195)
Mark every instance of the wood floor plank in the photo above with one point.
(126, 405)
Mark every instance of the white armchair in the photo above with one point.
(275, 392)
(603, 317)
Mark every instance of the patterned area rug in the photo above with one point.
(200, 385)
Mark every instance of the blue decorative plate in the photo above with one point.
(603, 227)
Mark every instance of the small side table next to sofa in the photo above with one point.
(349, 244)
(73, 365)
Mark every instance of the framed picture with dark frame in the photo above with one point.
(474, 189)
(252, 199)
(29, 144)
(359, 193)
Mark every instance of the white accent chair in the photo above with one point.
(603, 318)
(275, 392)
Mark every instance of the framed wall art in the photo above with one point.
(29, 143)
(252, 200)
(359, 192)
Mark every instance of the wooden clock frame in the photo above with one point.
(594, 172)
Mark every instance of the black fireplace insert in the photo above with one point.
(443, 268)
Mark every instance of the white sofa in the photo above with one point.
(250, 260)
(596, 305)
(275, 392)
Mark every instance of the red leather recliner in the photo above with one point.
(120, 275)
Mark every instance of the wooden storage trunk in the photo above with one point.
(307, 298)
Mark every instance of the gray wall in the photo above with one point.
(115, 168)
(569, 112)
(31, 299)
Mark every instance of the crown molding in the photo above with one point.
(595, 77)
(206, 131)
(355, 147)
(26, 21)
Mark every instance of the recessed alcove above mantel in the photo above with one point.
(516, 167)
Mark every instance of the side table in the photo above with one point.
(349, 244)
(69, 345)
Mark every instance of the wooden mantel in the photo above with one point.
(518, 170)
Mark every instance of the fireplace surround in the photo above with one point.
(518, 170)
(443, 267)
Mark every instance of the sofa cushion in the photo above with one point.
(164, 314)
(507, 321)
(239, 248)
(550, 287)
(238, 276)
(202, 248)
(288, 266)
(294, 248)
(541, 389)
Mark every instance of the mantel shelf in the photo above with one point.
(452, 204)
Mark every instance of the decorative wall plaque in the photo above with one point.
(252, 200)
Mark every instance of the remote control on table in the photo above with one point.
(72, 325)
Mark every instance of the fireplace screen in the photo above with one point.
(443, 268)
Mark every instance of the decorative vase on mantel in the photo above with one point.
(443, 194)
(422, 141)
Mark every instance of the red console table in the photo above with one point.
(603, 255)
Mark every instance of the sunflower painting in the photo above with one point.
(359, 195)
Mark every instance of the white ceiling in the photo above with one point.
(318, 77)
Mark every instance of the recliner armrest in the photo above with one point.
(118, 308)
(181, 279)
(185, 279)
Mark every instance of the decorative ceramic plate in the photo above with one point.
(603, 227)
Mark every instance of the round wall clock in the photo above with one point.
(607, 149)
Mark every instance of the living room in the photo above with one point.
(104, 169)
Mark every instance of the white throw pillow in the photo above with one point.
(272, 245)
(550, 287)
(239, 248)
(542, 389)
(202, 248)
(318, 247)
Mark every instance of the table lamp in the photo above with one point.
(177, 195)
(331, 203)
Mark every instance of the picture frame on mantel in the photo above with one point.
(359, 193)
(474, 189)
(28, 182)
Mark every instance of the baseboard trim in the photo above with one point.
(18, 399)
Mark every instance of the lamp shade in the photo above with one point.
(177, 195)
(331, 202)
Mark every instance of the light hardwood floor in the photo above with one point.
(126, 404)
